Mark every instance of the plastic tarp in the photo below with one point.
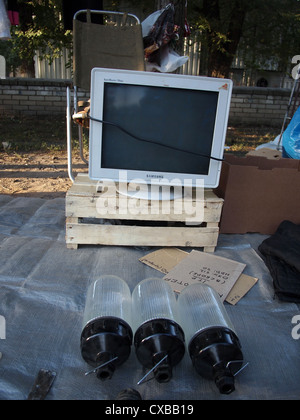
(291, 137)
(43, 289)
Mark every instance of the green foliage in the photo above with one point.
(264, 32)
(45, 32)
(271, 34)
(9, 50)
(41, 28)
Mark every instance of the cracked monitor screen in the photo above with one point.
(158, 129)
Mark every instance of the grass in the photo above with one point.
(242, 139)
(48, 134)
(28, 134)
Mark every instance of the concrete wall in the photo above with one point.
(250, 105)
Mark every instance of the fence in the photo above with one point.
(2, 67)
(60, 68)
(192, 49)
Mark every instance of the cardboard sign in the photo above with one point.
(218, 272)
(165, 259)
(241, 288)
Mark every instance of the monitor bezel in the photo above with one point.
(101, 76)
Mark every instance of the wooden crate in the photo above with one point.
(136, 222)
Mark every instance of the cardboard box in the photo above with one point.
(259, 193)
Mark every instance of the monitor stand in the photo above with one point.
(151, 192)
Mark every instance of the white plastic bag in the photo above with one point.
(149, 22)
(170, 62)
(4, 22)
(169, 59)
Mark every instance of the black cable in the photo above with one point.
(151, 141)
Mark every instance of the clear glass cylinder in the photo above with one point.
(153, 299)
(106, 337)
(200, 307)
(158, 339)
(213, 345)
(109, 296)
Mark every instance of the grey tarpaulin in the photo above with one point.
(42, 297)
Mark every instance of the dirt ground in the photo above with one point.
(37, 174)
(33, 156)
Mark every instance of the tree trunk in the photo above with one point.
(179, 20)
(161, 4)
(220, 56)
(27, 67)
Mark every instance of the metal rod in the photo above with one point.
(80, 138)
(105, 12)
(237, 361)
(296, 82)
(150, 371)
(69, 136)
(80, 128)
(99, 367)
(242, 368)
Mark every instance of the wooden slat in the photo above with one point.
(84, 200)
(90, 206)
(140, 235)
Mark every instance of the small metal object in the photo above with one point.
(237, 361)
(154, 367)
(101, 366)
(41, 387)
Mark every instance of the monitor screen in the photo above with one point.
(157, 126)
(166, 137)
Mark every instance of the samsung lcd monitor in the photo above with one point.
(164, 129)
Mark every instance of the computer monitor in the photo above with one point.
(161, 129)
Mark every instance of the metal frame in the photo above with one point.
(106, 12)
(68, 112)
(293, 97)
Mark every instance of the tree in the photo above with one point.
(221, 24)
(41, 28)
(271, 35)
(223, 46)
(262, 31)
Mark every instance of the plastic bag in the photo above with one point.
(4, 23)
(159, 30)
(170, 61)
(291, 138)
(162, 32)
